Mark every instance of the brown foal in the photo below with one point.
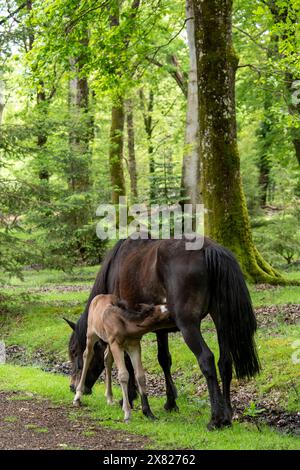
(122, 331)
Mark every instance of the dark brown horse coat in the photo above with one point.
(193, 283)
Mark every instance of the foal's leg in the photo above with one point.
(108, 361)
(123, 377)
(193, 338)
(87, 357)
(134, 351)
(165, 361)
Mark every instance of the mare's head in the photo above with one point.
(76, 349)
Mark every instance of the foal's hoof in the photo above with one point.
(171, 407)
(77, 403)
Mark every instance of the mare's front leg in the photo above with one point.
(108, 361)
(134, 351)
(165, 361)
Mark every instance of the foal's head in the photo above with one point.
(76, 349)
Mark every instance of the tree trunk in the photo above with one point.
(116, 152)
(294, 111)
(2, 100)
(191, 159)
(264, 133)
(147, 109)
(227, 218)
(42, 138)
(131, 148)
(280, 14)
(81, 132)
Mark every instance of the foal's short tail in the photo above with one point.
(230, 301)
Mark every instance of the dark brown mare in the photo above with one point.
(193, 283)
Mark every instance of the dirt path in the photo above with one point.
(39, 424)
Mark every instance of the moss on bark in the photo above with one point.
(116, 152)
(227, 219)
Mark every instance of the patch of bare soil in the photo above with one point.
(266, 411)
(63, 288)
(53, 288)
(270, 315)
(38, 424)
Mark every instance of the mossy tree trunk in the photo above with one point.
(227, 219)
(81, 132)
(42, 107)
(42, 138)
(147, 110)
(265, 131)
(131, 148)
(116, 152)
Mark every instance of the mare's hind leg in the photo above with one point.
(87, 357)
(225, 368)
(193, 338)
(165, 361)
(134, 351)
(108, 361)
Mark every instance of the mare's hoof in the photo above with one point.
(218, 424)
(151, 416)
(171, 407)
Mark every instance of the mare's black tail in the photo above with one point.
(230, 301)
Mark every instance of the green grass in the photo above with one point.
(40, 326)
(35, 278)
(275, 296)
(186, 429)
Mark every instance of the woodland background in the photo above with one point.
(165, 101)
(99, 98)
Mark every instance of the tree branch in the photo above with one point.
(264, 48)
(23, 5)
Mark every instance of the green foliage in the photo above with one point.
(54, 156)
(279, 237)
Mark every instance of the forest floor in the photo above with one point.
(35, 401)
(39, 424)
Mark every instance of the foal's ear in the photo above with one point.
(145, 308)
(121, 304)
(70, 323)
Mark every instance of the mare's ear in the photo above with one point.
(70, 323)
